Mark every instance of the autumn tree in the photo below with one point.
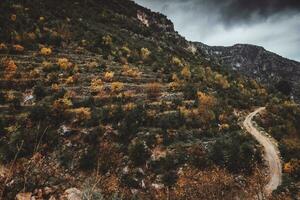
(186, 73)
(10, 69)
(206, 105)
(153, 90)
(145, 53)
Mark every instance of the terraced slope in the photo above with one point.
(118, 105)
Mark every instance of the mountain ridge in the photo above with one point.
(256, 62)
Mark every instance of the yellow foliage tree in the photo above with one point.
(45, 51)
(117, 86)
(153, 90)
(131, 72)
(176, 61)
(64, 63)
(186, 73)
(96, 85)
(107, 40)
(206, 103)
(145, 53)
(222, 81)
(10, 69)
(62, 104)
(3, 47)
(108, 76)
(82, 113)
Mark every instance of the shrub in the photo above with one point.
(82, 114)
(64, 63)
(10, 69)
(45, 51)
(236, 158)
(39, 112)
(88, 160)
(39, 92)
(117, 86)
(176, 61)
(153, 90)
(96, 85)
(138, 153)
(131, 72)
(107, 40)
(186, 73)
(108, 76)
(18, 48)
(145, 53)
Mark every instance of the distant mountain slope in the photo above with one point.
(256, 62)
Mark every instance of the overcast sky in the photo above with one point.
(273, 24)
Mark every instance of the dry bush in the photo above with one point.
(206, 104)
(186, 73)
(176, 61)
(108, 76)
(64, 63)
(153, 90)
(130, 71)
(129, 106)
(211, 184)
(222, 81)
(18, 48)
(10, 68)
(3, 47)
(96, 85)
(81, 114)
(145, 53)
(45, 51)
(62, 104)
(117, 87)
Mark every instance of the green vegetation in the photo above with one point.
(122, 101)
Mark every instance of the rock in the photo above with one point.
(24, 196)
(73, 194)
(65, 131)
(48, 190)
(52, 198)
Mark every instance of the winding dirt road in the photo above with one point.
(271, 153)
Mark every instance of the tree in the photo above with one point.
(10, 69)
(153, 90)
(117, 87)
(108, 76)
(138, 153)
(145, 53)
(45, 51)
(186, 73)
(284, 87)
(39, 92)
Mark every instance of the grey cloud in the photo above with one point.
(274, 24)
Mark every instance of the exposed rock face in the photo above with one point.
(256, 62)
(73, 194)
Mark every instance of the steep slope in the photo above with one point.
(258, 63)
(103, 99)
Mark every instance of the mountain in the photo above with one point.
(258, 63)
(103, 99)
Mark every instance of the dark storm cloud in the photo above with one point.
(231, 11)
(274, 24)
(237, 10)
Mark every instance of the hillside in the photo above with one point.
(103, 99)
(256, 62)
